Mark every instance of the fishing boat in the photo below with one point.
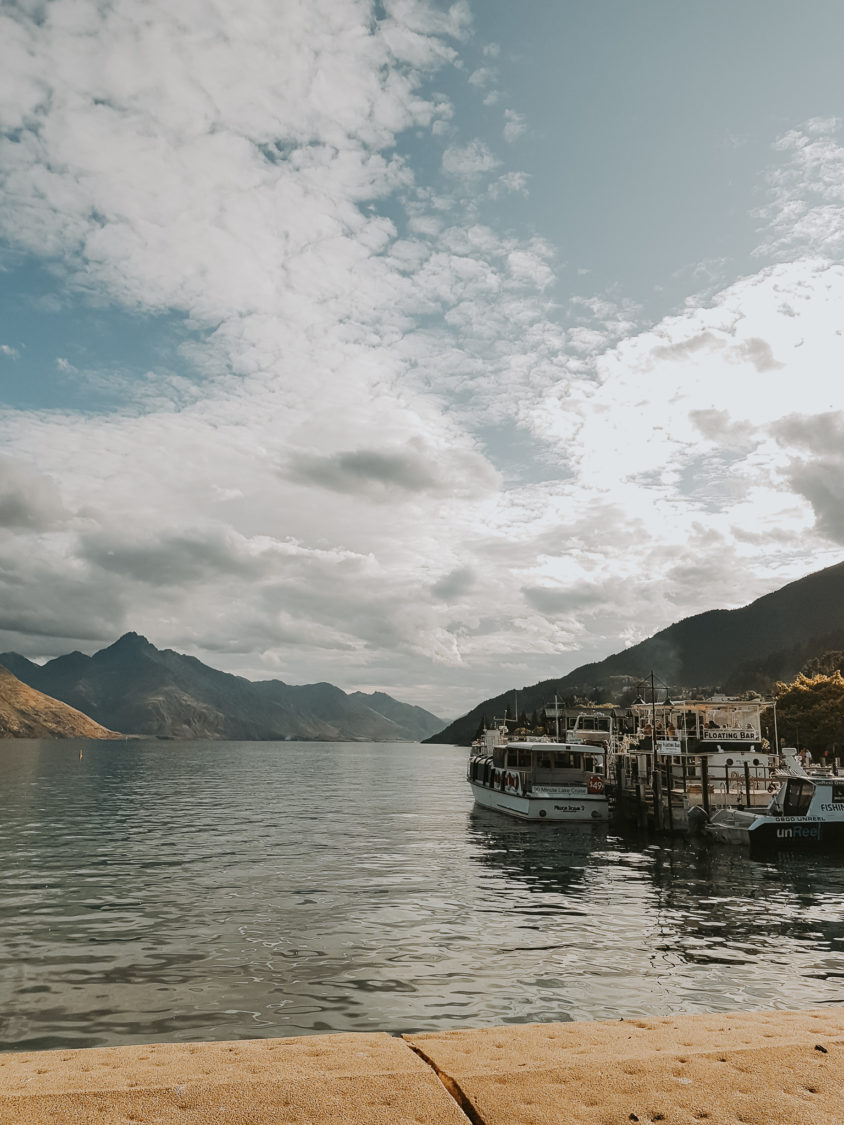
(807, 811)
(536, 779)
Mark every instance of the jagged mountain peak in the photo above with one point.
(129, 642)
(135, 687)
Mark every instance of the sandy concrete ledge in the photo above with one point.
(758, 1068)
(357, 1079)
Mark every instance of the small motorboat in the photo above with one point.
(807, 811)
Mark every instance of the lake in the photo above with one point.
(206, 890)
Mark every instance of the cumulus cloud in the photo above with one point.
(173, 559)
(816, 465)
(324, 497)
(511, 182)
(456, 584)
(468, 161)
(28, 499)
(380, 474)
(553, 601)
(515, 125)
(483, 76)
(805, 208)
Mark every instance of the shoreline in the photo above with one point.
(777, 1067)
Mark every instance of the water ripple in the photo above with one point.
(211, 891)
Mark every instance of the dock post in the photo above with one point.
(669, 786)
(642, 805)
(747, 782)
(619, 788)
(704, 783)
(657, 792)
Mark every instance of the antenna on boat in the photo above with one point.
(653, 721)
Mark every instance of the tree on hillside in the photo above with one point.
(824, 665)
(810, 711)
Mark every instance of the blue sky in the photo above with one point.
(419, 347)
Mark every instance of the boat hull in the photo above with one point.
(779, 834)
(585, 808)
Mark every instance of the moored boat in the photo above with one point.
(806, 812)
(534, 779)
(680, 759)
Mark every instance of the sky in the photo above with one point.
(412, 346)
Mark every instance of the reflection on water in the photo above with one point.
(159, 891)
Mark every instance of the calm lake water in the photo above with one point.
(175, 891)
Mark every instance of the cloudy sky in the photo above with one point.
(433, 348)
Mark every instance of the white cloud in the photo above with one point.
(515, 125)
(482, 77)
(468, 161)
(322, 502)
(511, 182)
(805, 212)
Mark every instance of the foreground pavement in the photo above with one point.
(753, 1068)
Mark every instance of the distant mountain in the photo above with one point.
(134, 687)
(27, 713)
(735, 650)
(418, 722)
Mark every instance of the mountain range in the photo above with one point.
(136, 688)
(732, 650)
(27, 713)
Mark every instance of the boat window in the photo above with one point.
(838, 792)
(563, 760)
(512, 757)
(524, 758)
(798, 796)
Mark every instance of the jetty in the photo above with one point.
(757, 1068)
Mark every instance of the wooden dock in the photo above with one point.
(661, 799)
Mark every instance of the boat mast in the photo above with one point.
(653, 719)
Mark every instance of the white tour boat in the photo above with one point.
(537, 780)
(806, 812)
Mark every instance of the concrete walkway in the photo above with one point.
(766, 1068)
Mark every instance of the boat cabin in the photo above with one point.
(553, 763)
(534, 766)
(816, 795)
(701, 726)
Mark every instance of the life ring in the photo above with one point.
(772, 788)
(595, 784)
